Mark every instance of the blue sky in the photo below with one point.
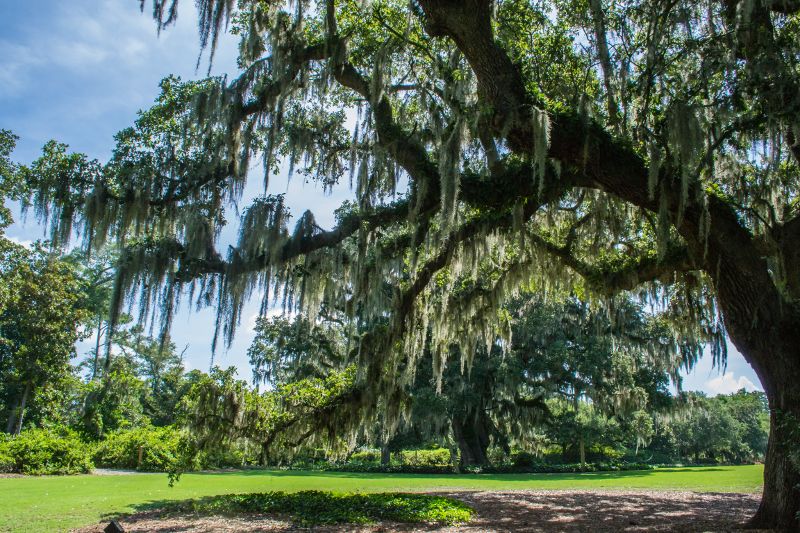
(79, 71)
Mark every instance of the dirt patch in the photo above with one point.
(113, 472)
(525, 511)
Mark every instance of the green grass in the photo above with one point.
(58, 503)
(313, 507)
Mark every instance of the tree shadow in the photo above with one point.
(546, 511)
(508, 511)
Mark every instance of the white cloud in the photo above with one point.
(250, 326)
(727, 383)
(27, 243)
(80, 40)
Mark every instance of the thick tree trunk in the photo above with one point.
(778, 368)
(769, 339)
(780, 503)
(473, 441)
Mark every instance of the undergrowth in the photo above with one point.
(308, 508)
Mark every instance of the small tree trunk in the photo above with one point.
(20, 416)
(582, 450)
(12, 417)
(386, 456)
(97, 346)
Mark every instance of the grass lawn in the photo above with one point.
(58, 503)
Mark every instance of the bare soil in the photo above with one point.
(524, 511)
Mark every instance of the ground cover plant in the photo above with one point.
(314, 507)
(75, 501)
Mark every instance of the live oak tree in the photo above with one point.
(598, 370)
(642, 146)
(564, 353)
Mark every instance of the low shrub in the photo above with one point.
(147, 448)
(45, 451)
(571, 468)
(540, 468)
(366, 456)
(7, 464)
(435, 457)
(313, 507)
(369, 468)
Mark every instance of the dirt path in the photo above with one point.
(524, 511)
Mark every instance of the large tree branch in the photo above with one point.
(407, 151)
(721, 244)
(625, 275)
(499, 216)
(599, 20)
(296, 246)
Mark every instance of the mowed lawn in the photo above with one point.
(59, 503)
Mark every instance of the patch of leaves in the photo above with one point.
(314, 507)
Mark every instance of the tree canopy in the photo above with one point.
(568, 145)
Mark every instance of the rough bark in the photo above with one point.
(472, 437)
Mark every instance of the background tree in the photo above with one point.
(142, 382)
(40, 322)
(97, 275)
(626, 146)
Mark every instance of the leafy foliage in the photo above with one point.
(147, 448)
(594, 146)
(309, 508)
(45, 451)
(41, 313)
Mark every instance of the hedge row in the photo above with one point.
(152, 449)
(62, 451)
(497, 469)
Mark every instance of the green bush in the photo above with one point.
(435, 457)
(7, 465)
(45, 451)
(366, 456)
(537, 468)
(524, 459)
(146, 448)
(370, 468)
(313, 507)
(230, 456)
